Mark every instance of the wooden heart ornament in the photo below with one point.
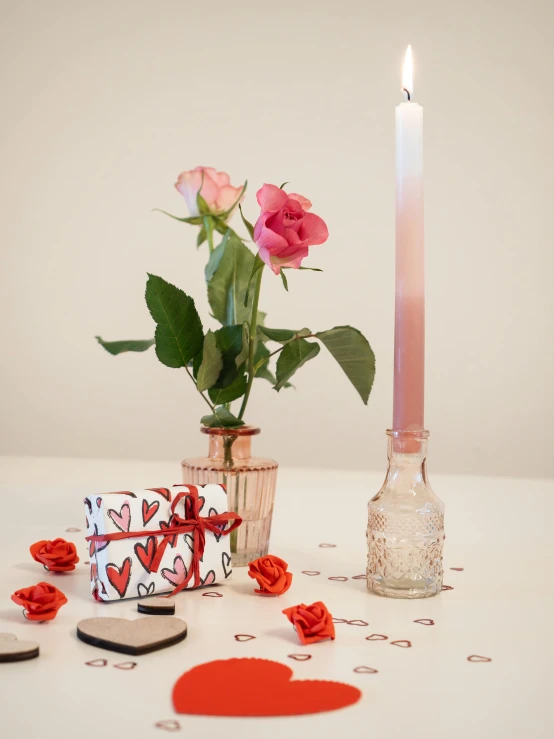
(256, 687)
(132, 637)
(13, 650)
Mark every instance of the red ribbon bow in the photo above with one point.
(192, 523)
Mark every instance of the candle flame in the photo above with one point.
(407, 73)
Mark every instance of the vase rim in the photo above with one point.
(240, 431)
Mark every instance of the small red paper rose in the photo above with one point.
(312, 623)
(271, 574)
(41, 602)
(57, 556)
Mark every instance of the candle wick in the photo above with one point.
(407, 94)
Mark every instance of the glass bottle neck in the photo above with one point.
(237, 447)
(407, 464)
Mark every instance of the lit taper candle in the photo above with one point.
(409, 326)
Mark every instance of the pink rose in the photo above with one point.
(215, 188)
(285, 229)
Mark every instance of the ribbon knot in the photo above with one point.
(191, 523)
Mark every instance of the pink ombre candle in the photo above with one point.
(409, 325)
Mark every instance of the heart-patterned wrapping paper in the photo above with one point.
(122, 568)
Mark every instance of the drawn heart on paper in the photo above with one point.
(144, 590)
(236, 681)
(13, 650)
(122, 519)
(120, 576)
(164, 492)
(98, 502)
(173, 538)
(177, 574)
(132, 637)
(209, 579)
(213, 512)
(87, 502)
(225, 563)
(146, 553)
(149, 510)
(478, 658)
(189, 541)
(96, 546)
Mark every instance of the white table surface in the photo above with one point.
(501, 531)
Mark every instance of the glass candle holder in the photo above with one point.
(405, 531)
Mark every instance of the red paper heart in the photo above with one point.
(256, 687)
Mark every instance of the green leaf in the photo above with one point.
(294, 355)
(118, 347)
(236, 389)
(202, 205)
(202, 237)
(311, 269)
(193, 220)
(265, 374)
(283, 277)
(179, 334)
(282, 335)
(352, 351)
(245, 350)
(256, 267)
(249, 226)
(220, 225)
(212, 363)
(221, 417)
(229, 342)
(215, 257)
(227, 286)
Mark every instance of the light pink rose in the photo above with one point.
(215, 188)
(285, 229)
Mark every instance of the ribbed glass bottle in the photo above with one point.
(250, 483)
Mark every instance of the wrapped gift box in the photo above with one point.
(159, 540)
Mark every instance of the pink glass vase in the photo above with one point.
(250, 483)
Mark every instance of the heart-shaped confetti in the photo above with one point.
(425, 621)
(404, 643)
(311, 573)
(168, 725)
(360, 577)
(447, 587)
(376, 637)
(327, 546)
(478, 658)
(126, 665)
(339, 620)
(72, 530)
(339, 578)
(300, 657)
(457, 569)
(363, 670)
(244, 637)
(97, 663)
(212, 594)
(357, 622)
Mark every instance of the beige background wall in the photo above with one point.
(104, 103)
